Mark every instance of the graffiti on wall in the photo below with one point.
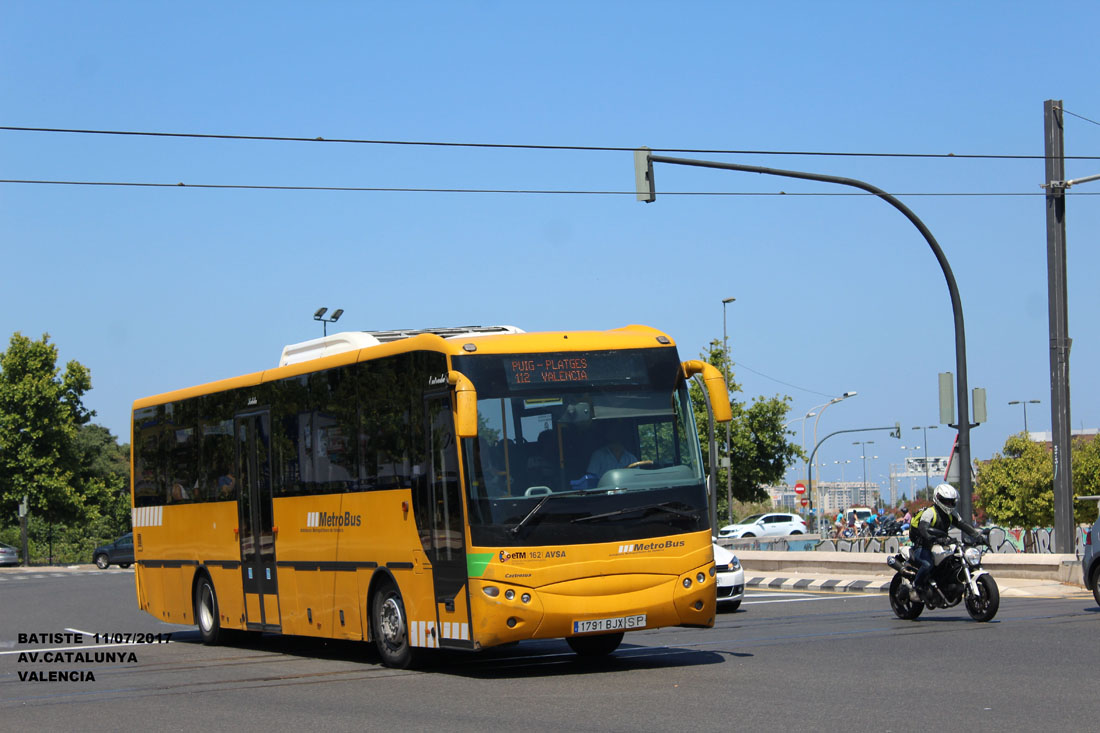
(1001, 540)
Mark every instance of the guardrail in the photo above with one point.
(1056, 567)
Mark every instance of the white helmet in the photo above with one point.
(945, 497)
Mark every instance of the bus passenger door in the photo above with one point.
(261, 590)
(447, 526)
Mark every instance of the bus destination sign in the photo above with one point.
(547, 370)
(574, 369)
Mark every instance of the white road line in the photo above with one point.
(814, 598)
(751, 594)
(81, 647)
(78, 631)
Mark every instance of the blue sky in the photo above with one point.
(159, 288)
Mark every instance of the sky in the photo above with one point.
(159, 288)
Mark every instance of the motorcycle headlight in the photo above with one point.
(973, 556)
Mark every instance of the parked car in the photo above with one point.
(120, 552)
(8, 555)
(771, 524)
(1090, 558)
(731, 579)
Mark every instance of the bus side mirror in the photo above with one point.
(465, 404)
(717, 394)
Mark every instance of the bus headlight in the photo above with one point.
(687, 582)
(491, 590)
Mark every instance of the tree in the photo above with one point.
(40, 414)
(759, 451)
(1016, 488)
(103, 477)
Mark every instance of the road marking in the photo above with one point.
(813, 598)
(69, 648)
(78, 631)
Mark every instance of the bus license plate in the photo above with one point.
(621, 623)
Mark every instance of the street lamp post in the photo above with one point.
(1025, 403)
(843, 464)
(863, 449)
(925, 429)
(910, 449)
(320, 316)
(646, 191)
(823, 408)
(805, 417)
(729, 457)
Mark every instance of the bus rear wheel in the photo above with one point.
(206, 611)
(595, 646)
(391, 628)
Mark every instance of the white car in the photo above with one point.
(771, 524)
(731, 579)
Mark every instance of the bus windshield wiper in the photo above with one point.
(663, 506)
(535, 509)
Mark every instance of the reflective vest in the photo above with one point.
(933, 520)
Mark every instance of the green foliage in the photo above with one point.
(759, 451)
(742, 509)
(1016, 489)
(74, 474)
(72, 544)
(40, 412)
(1086, 468)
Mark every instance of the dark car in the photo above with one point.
(120, 552)
(8, 555)
(1090, 560)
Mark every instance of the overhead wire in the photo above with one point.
(529, 191)
(528, 146)
(779, 381)
(525, 146)
(1080, 117)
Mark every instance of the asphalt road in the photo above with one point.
(784, 661)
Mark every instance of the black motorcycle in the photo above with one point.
(957, 575)
(888, 527)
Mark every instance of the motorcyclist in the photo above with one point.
(929, 527)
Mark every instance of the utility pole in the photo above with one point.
(729, 450)
(1064, 536)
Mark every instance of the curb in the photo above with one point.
(816, 584)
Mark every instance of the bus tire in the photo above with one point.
(390, 627)
(206, 611)
(595, 646)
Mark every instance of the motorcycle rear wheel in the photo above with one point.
(983, 606)
(904, 606)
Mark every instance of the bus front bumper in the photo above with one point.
(507, 612)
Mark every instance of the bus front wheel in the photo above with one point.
(206, 611)
(391, 628)
(595, 646)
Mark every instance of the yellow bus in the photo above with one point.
(444, 488)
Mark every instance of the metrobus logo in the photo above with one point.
(333, 519)
(650, 546)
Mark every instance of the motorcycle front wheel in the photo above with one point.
(983, 607)
(904, 606)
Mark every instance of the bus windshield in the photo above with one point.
(578, 447)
